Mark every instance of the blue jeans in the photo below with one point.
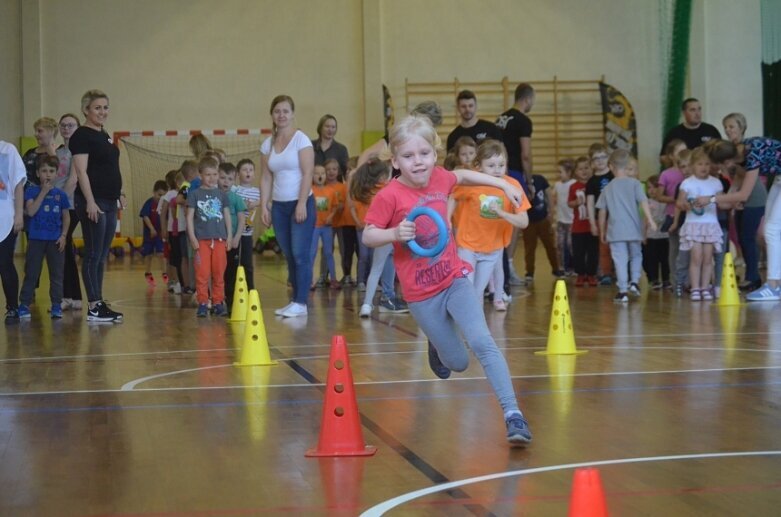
(325, 234)
(295, 239)
(748, 221)
(97, 242)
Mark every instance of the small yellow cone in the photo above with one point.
(729, 284)
(240, 294)
(254, 351)
(561, 337)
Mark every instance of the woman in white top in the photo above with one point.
(286, 165)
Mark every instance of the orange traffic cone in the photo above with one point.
(340, 427)
(588, 499)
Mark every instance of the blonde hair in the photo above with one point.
(683, 156)
(89, 97)
(413, 125)
(46, 123)
(698, 154)
(199, 144)
(489, 148)
(740, 120)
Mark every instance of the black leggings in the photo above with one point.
(71, 287)
(246, 259)
(348, 246)
(655, 257)
(8, 274)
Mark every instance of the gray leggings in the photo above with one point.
(454, 312)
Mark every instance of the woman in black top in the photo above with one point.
(96, 164)
(326, 147)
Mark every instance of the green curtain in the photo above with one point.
(771, 67)
(677, 63)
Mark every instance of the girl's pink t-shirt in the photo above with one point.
(670, 179)
(420, 277)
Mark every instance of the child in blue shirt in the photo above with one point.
(152, 242)
(47, 207)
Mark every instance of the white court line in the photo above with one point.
(390, 504)
(104, 356)
(363, 383)
(374, 343)
(130, 386)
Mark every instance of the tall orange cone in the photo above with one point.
(254, 351)
(340, 427)
(588, 498)
(729, 284)
(240, 297)
(561, 337)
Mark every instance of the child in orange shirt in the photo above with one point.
(485, 218)
(326, 203)
(344, 224)
(369, 179)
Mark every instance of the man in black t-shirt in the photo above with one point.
(517, 137)
(693, 131)
(477, 129)
(517, 134)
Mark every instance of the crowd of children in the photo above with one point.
(597, 223)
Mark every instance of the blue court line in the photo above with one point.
(297, 402)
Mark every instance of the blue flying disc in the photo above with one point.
(441, 229)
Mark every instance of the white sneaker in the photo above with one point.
(279, 312)
(366, 311)
(75, 305)
(177, 288)
(67, 304)
(295, 310)
(507, 298)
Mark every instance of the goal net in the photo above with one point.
(147, 156)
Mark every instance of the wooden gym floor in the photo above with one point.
(677, 403)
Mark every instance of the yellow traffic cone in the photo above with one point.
(561, 337)
(729, 284)
(254, 351)
(239, 309)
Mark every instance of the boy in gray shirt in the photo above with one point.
(619, 215)
(210, 233)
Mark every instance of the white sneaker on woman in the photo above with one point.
(279, 312)
(295, 309)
